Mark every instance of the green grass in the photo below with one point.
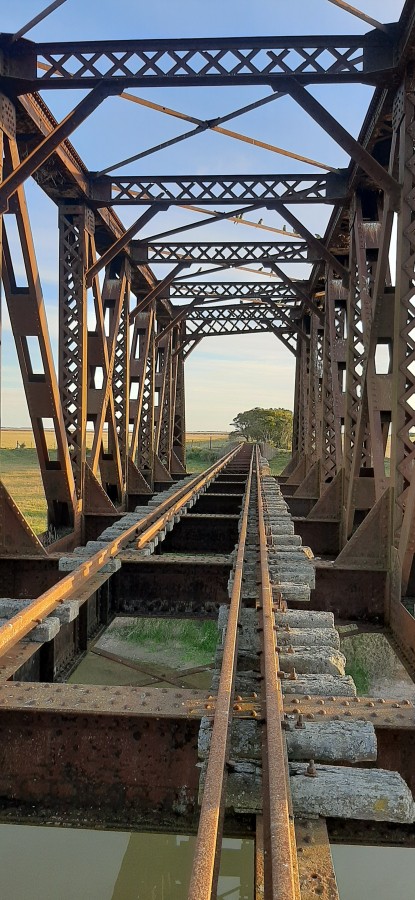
(360, 676)
(198, 459)
(278, 464)
(195, 641)
(20, 473)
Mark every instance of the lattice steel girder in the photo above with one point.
(227, 320)
(231, 290)
(232, 253)
(199, 61)
(221, 189)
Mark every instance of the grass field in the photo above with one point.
(20, 473)
(19, 469)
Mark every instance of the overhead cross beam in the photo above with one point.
(239, 319)
(265, 304)
(134, 190)
(225, 253)
(232, 290)
(204, 61)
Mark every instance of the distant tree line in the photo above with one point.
(271, 425)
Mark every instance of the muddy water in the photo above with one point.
(96, 669)
(374, 873)
(70, 864)
(115, 660)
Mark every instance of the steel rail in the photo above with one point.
(207, 851)
(282, 850)
(67, 588)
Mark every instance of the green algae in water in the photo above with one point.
(196, 641)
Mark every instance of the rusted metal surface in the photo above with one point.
(205, 869)
(387, 834)
(350, 593)
(116, 765)
(317, 876)
(385, 714)
(282, 850)
(103, 700)
(182, 585)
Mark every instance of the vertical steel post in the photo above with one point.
(76, 225)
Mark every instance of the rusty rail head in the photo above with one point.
(19, 625)
(282, 850)
(205, 868)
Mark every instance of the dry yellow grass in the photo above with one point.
(10, 437)
(195, 437)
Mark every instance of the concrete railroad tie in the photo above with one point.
(309, 655)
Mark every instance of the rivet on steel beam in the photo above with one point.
(311, 770)
(311, 716)
(255, 695)
(406, 703)
(237, 707)
(293, 675)
(307, 697)
(345, 703)
(254, 714)
(370, 703)
(320, 701)
(238, 698)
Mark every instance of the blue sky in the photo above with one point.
(223, 375)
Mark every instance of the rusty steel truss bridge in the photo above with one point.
(129, 532)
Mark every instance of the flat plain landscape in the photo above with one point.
(19, 469)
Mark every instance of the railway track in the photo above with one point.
(282, 737)
(271, 762)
